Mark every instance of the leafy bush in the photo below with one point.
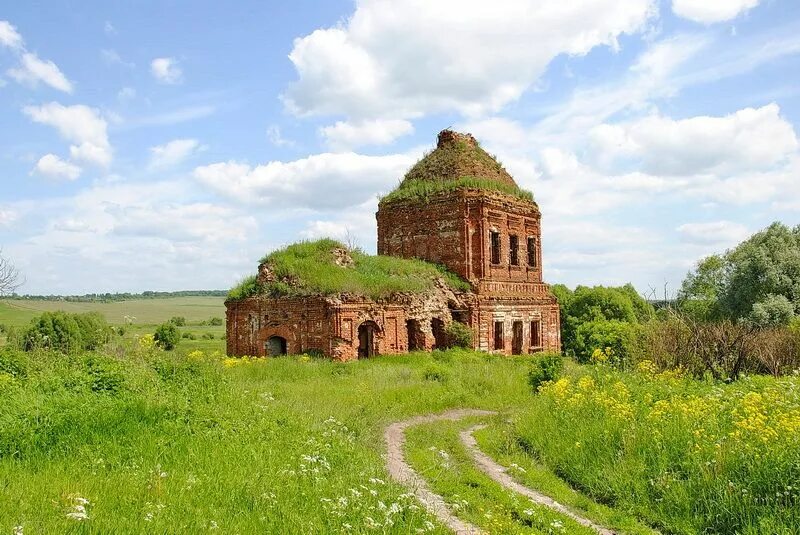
(215, 322)
(458, 335)
(772, 311)
(66, 333)
(178, 321)
(585, 311)
(189, 336)
(619, 336)
(207, 336)
(546, 367)
(166, 336)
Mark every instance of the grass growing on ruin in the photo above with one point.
(425, 189)
(309, 268)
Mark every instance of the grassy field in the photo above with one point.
(144, 441)
(139, 316)
(19, 312)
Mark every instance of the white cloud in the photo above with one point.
(748, 139)
(172, 153)
(132, 237)
(9, 36)
(356, 225)
(275, 137)
(710, 11)
(126, 94)
(469, 56)
(345, 135)
(320, 181)
(7, 217)
(112, 57)
(166, 70)
(33, 70)
(52, 166)
(715, 232)
(109, 28)
(81, 125)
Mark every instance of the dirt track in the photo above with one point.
(402, 472)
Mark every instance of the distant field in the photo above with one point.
(142, 311)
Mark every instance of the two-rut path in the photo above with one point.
(402, 472)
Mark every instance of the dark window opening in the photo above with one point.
(275, 346)
(499, 338)
(516, 340)
(439, 335)
(366, 339)
(495, 247)
(513, 246)
(416, 340)
(536, 334)
(532, 252)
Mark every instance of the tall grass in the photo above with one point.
(168, 442)
(685, 455)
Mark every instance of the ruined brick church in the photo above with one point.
(457, 207)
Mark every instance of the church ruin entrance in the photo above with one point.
(366, 339)
(439, 335)
(416, 338)
(516, 339)
(275, 346)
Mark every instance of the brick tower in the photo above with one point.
(460, 208)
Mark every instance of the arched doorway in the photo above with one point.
(416, 338)
(275, 346)
(439, 334)
(367, 346)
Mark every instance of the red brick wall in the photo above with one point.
(454, 229)
(314, 323)
(434, 231)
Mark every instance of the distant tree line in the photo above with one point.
(125, 296)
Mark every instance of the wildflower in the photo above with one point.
(213, 525)
(18, 530)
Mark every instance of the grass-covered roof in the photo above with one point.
(327, 267)
(458, 161)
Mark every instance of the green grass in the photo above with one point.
(437, 454)
(18, 312)
(308, 268)
(684, 455)
(499, 442)
(277, 446)
(182, 442)
(425, 189)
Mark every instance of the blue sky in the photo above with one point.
(169, 145)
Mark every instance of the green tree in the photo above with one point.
(166, 336)
(766, 264)
(749, 281)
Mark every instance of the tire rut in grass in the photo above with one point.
(403, 473)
